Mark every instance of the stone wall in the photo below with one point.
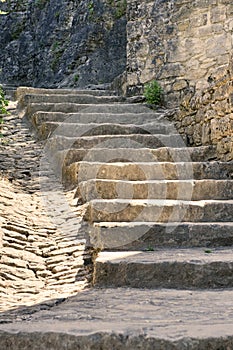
(179, 43)
(73, 43)
(207, 117)
(186, 45)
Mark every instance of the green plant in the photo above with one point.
(121, 9)
(3, 104)
(76, 78)
(57, 52)
(149, 248)
(91, 7)
(153, 93)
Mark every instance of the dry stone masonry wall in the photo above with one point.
(186, 46)
(180, 43)
(207, 117)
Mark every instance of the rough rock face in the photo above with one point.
(72, 43)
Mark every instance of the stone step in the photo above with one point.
(155, 189)
(59, 142)
(86, 108)
(172, 268)
(97, 117)
(135, 171)
(124, 318)
(165, 210)
(23, 90)
(163, 154)
(10, 92)
(70, 129)
(68, 98)
(148, 236)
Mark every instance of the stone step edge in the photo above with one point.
(166, 210)
(29, 99)
(149, 236)
(122, 164)
(126, 224)
(162, 181)
(23, 90)
(173, 328)
(162, 201)
(169, 254)
(155, 189)
(33, 107)
(153, 123)
(161, 154)
(194, 268)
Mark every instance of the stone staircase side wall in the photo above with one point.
(186, 46)
(207, 117)
(179, 43)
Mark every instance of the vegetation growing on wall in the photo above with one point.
(119, 7)
(3, 105)
(153, 93)
(3, 102)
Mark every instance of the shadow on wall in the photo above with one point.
(65, 43)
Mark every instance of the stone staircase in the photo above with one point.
(159, 214)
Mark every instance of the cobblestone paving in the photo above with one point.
(40, 257)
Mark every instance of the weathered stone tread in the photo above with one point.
(92, 116)
(198, 268)
(161, 210)
(155, 189)
(107, 318)
(151, 235)
(87, 108)
(163, 154)
(71, 129)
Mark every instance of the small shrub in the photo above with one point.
(3, 105)
(3, 102)
(76, 78)
(121, 9)
(91, 8)
(153, 93)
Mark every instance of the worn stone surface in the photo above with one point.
(206, 118)
(56, 259)
(186, 46)
(112, 189)
(147, 236)
(40, 258)
(197, 269)
(136, 171)
(67, 43)
(178, 43)
(124, 319)
(161, 210)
